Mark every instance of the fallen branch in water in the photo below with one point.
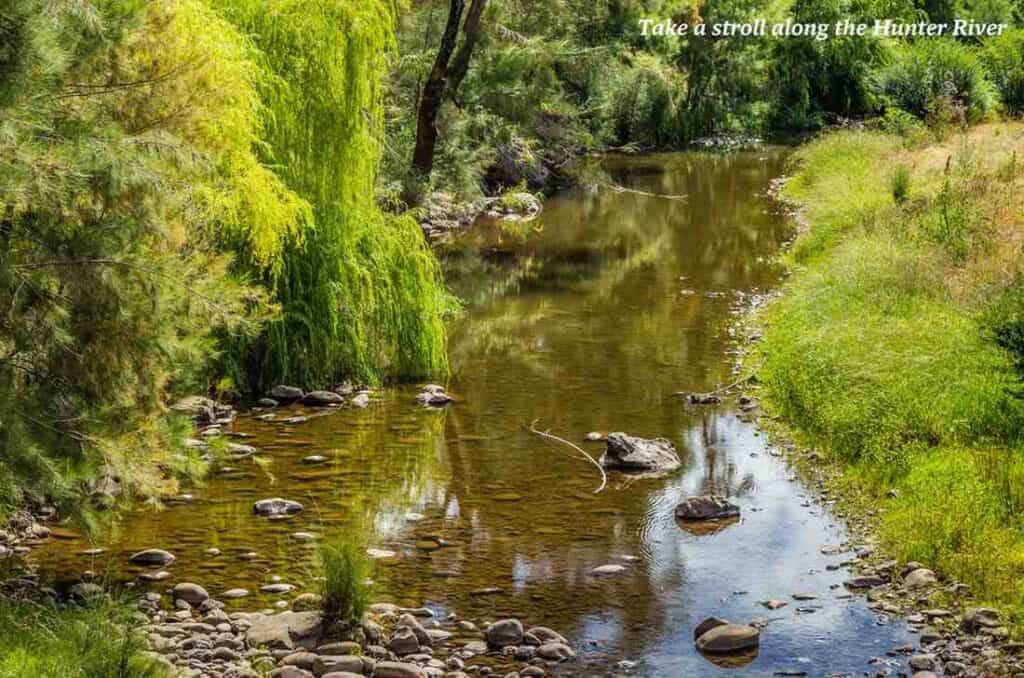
(622, 189)
(551, 436)
(719, 391)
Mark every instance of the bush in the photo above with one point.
(939, 80)
(90, 642)
(901, 184)
(344, 588)
(1003, 56)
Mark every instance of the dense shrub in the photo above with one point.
(940, 80)
(1004, 58)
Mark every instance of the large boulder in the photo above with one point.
(276, 507)
(729, 638)
(707, 507)
(630, 453)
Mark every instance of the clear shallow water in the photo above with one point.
(589, 318)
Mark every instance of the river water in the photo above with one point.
(586, 319)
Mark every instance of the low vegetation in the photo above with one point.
(345, 588)
(95, 641)
(896, 348)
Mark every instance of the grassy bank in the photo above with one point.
(897, 348)
(91, 642)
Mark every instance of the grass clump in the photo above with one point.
(897, 349)
(81, 642)
(345, 587)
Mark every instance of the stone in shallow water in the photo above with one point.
(629, 453)
(504, 632)
(235, 593)
(380, 553)
(276, 507)
(729, 638)
(193, 594)
(605, 570)
(707, 507)
(707, 625)
(156, 557)
(285, 394)
(398, 670)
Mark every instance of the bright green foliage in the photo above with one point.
(939, 79)
(109, 298)
(897, 345)
(361, 294)
(344, 588)
(89, 642)
(1003, 56)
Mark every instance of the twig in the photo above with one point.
(622, 189)
(719, 391)
(551, 436)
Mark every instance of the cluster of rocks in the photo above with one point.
(199, 638)
(445, 215)
(210, 417)
(23, 531)
(339, 396)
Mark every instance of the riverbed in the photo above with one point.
(590, 318)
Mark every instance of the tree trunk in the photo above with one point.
(433, 95)
(471, 31)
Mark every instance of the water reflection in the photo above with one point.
(588, 319)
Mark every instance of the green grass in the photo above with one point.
(95, 642)
(344, 588)
(895, 352)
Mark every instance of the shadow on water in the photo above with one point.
(589, 318)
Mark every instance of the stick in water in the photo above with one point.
(546, 434)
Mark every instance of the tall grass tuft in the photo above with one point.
(345, 589)
(901, 184)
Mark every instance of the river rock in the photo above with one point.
(504, 632)
(267, 402)
(398, 670)
(707, 625)
(546, 635)
(404, 642)
(703, 399)
(322, 399)
(286, 394)
(920, 578)
(284, 631)
(433, 395)
(235, 593)
(193, 594)
(410, 622)
(707, 507)
(606, 570)
(978, 618)
(556, 652)
(307, 601)
(152, 557)
(276, 507)
(729, 638)
(337, 663)
(361, 399)
(629, 453)
(866, 582)
(193, 405)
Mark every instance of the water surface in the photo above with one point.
(587, 319)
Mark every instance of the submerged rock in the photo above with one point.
(276, 507)
(630, 453)
(708, 507)
(729, 638)
(153, 557)
(703, 399)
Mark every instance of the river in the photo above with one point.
(589, 318)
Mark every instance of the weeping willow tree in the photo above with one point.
(360, 293)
